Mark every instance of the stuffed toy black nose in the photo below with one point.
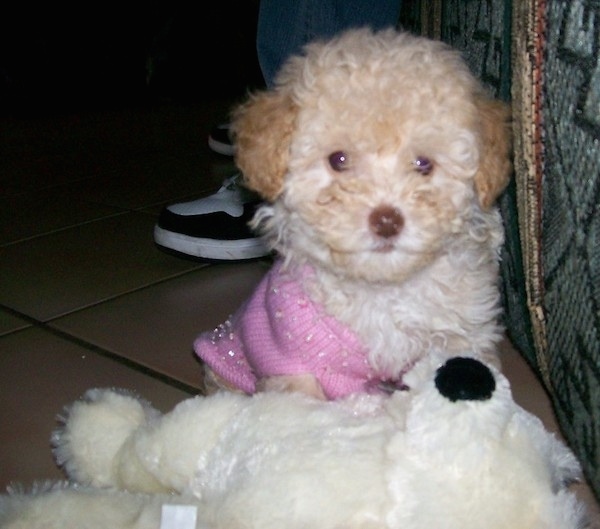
(464, 378)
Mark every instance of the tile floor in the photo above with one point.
(86, 299)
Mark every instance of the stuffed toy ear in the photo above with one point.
(495, 163)
(262, 129)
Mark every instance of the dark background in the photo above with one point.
(61, 56)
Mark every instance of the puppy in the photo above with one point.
(379, 157)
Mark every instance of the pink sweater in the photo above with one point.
(280, 331)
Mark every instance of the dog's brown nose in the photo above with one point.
(386, 221)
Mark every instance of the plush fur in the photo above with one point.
(380, 157)
(454, 452)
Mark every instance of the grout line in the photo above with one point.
(65, 228)
(115, 297)
(157, 375)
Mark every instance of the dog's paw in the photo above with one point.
(307, 384)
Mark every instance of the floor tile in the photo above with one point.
(142, 181)
(26, 168)
(47, 151)
(526, 387)
(10, 323)
(156, 326)
(53, 275)
(39, 375)
(27, 215)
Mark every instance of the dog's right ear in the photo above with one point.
(262, 129)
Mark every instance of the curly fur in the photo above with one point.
(387, 100)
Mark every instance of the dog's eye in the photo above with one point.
(338, 161)
(423, 165)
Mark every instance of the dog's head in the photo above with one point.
(374, 148)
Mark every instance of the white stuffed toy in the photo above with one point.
(454, 451)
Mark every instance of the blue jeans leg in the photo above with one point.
(285, 26)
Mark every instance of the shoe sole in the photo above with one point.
(221, 148)
(210, 249)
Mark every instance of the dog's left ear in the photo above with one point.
(263, 128)
(495, 166)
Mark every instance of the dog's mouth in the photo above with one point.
(389, 247)
(385, 246)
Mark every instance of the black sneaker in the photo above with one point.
(213, 227)
(219, 140)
